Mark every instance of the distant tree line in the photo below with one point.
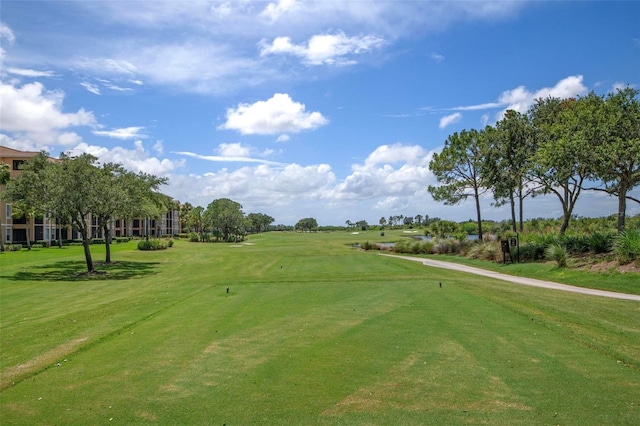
(223, 219)
(559, 146)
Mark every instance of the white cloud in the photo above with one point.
(137, 159)
(324, 49)
(6, 33)
(274, 11)
(283, 138)
(122, 133)
(30, 73)
(91, 87)
(29, 111)
(450, 119)
(279, 114)
(520, 99)
(233, 150)
(437, 57)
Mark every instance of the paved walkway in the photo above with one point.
(517, 280)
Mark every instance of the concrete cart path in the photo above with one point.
(517, 280)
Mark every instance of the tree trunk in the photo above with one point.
(622, 208)
(87, 254)
(520, 207)
(513, 213)
(477, 197)
(107, 242)
(28, 234)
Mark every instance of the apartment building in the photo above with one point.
(45, 228)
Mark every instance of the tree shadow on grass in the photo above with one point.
(77, 271)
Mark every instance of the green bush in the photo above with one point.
(194, 237)
(13, 247)
(531, 252)
(627, 246)
(122, 239)
(601, 242)
(557, 253)
(575, 243)
(170, 243)
(152, 245)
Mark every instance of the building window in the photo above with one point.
(17, 164)
(8, 211)
(7, 236)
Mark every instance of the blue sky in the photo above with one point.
(301, 109)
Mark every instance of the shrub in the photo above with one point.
(13, 247)
(170, 243)
(576, 243)
(368, 245)
(194, 237)
(37, 246)
(557, 253)
(485, 251)
(122, 239)
(531, 251)
(601, 242)
(152, 245)
(627, 246)
(97, 241)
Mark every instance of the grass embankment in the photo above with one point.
(310, 332)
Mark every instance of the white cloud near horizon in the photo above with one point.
(521, 99)
(279, 114)
(137, 159)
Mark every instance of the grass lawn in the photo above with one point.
(311, 331)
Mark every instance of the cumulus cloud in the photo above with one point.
(520, 99)
(233, 150)
(437, 57)
(137, 159)
(32, 112)
(389, 171)
(450, 119)
(122, 133)
(279, 114)
(324, 49)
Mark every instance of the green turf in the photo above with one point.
(311, 332)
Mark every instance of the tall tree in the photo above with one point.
(615, 148)
(561, 162)
(307, 224)
(260, 221)
(225, 217)
(122, 193)
(76, 193)
(457, 168)
(508, 160)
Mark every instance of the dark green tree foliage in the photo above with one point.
(561, 162)
(307, 224)
(259, 221)
(508, 160)
(5, 176)
(457, 168)
(225, 218)
(76, 193)
(615, 148)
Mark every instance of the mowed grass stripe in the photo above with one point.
(329, 336)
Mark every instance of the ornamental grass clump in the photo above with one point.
(627, 246)
(557, 253)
